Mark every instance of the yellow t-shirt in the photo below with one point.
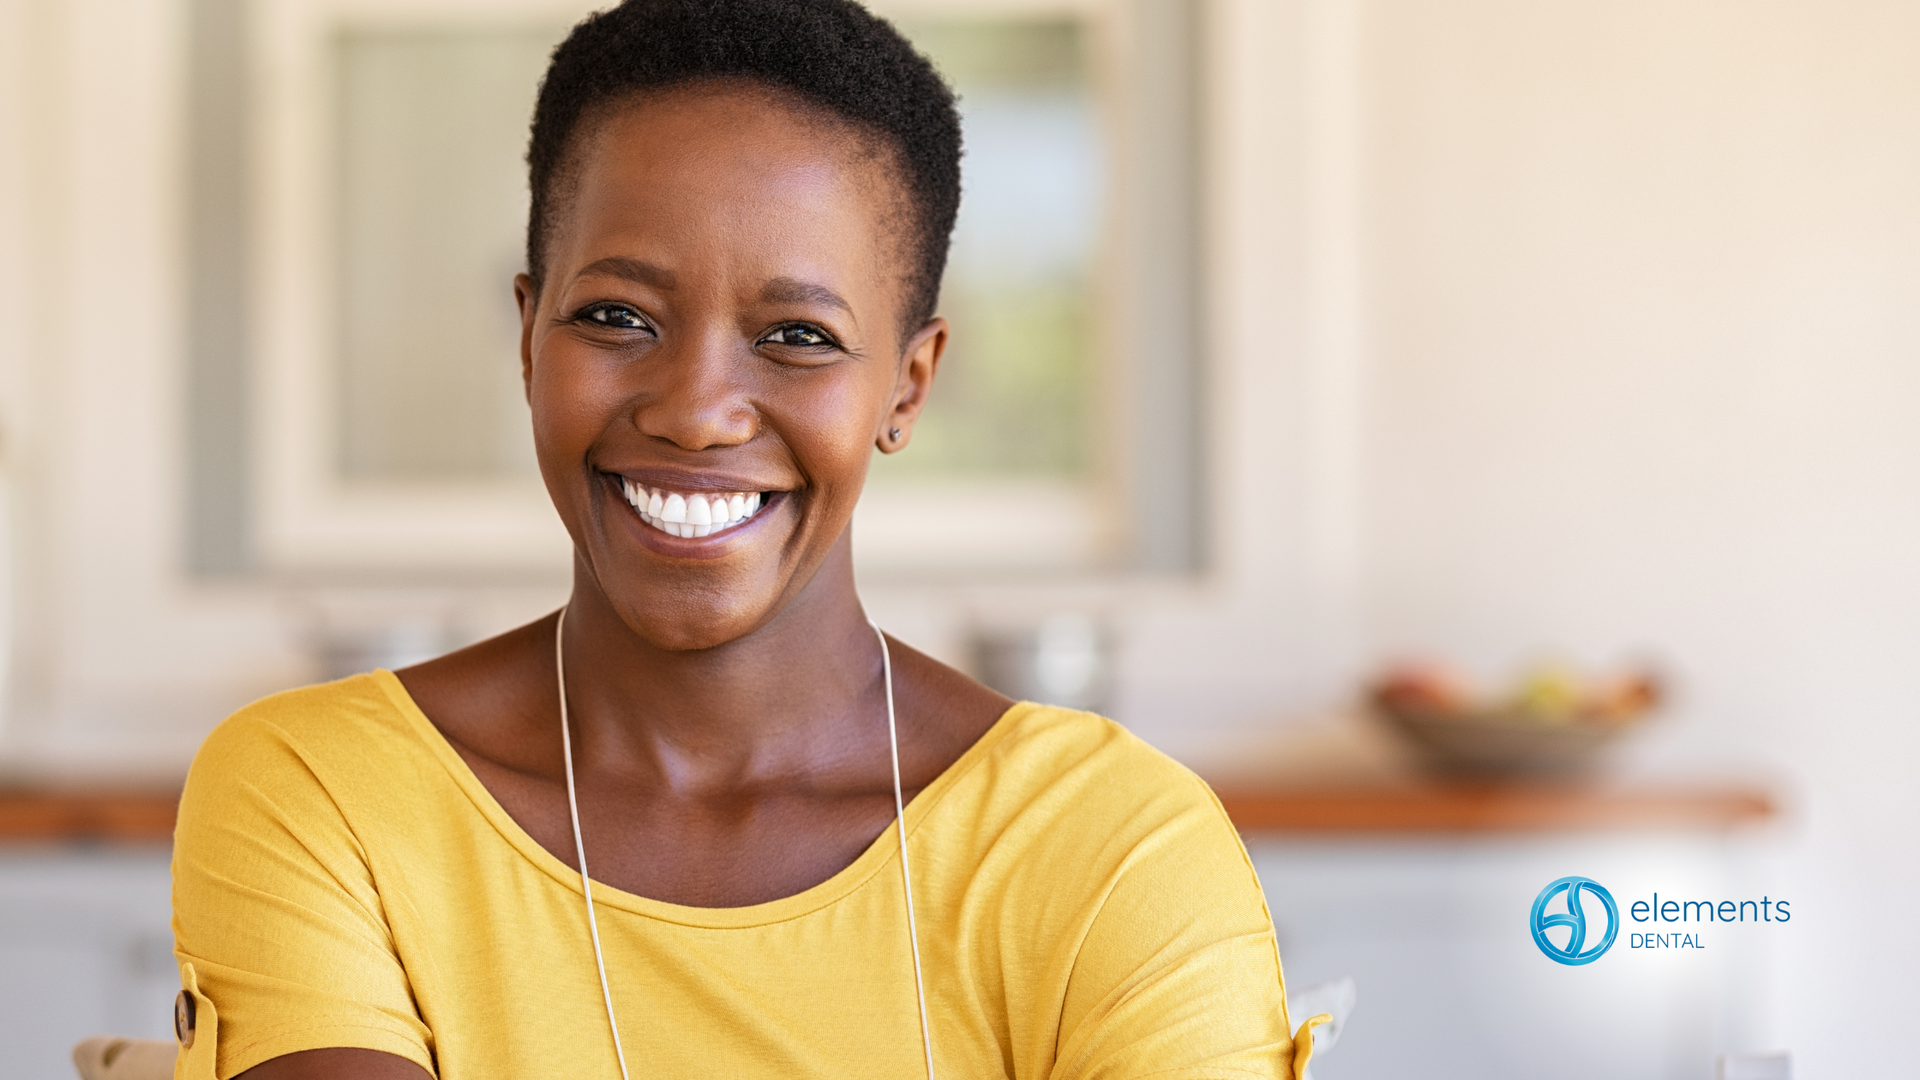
(341, 878)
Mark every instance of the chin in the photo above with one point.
(691, 618)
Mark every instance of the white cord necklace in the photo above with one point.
(586, 883)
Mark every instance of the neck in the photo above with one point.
(787, 699)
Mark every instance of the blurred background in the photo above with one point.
(1294, 339)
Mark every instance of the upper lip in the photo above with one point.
(688, 482)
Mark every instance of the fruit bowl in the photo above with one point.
(1556, 724)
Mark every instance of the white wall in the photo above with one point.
(119, 661)
(1642, 370)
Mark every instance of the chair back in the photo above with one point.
(114, 1057)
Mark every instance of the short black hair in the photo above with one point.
(831, 55)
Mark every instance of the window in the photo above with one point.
(1063, 432)
(431, 191)
(1002, 471)
(1018, 394)
(390, 416)
(391, 423)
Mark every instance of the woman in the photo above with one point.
(739, 221)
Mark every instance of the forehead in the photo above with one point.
(739, 176)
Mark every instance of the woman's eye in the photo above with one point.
(615, 316)
(798, 335)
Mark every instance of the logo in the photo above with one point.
(1574, 950)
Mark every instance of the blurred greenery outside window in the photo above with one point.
(1016, 393)
(430, 133)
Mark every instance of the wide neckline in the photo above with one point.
(883, 851)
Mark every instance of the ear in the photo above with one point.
(527, 296)
(919, 363)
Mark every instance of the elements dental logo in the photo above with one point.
(1574, 950)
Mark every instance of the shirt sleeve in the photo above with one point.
(278, 926)
(1179, 976)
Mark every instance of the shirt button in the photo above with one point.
(183, 1009)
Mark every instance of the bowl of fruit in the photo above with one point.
(1555, 721)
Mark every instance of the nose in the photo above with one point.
(699, 398)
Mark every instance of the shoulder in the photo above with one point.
(1056, 733)
(1128, 877)
(331, 737)
(1094, 756)
(281, 906)
(311, 719)
(1079, 776)
(1124, 867)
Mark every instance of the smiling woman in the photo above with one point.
(815, 852)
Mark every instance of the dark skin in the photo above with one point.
(713, 318)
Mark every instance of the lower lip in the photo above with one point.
(711, 545)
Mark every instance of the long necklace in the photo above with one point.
(586, 883)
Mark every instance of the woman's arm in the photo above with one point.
(1178, 976)
(338, 1063)
(279, 926)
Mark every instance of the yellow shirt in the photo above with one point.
(1085, 910)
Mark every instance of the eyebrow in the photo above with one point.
(785, 290)
(638, 271)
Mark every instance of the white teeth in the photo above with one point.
(690, 516)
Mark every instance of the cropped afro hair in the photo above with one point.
(831, 55)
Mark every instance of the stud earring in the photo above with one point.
(894, 434)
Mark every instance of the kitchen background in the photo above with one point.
(1293, 338)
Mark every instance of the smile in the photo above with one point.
(694, 515)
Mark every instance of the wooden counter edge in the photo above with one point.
(87, 815)
(1487, 808)
(146, 816)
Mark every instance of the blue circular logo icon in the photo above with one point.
(1574, 950)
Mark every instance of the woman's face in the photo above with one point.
(716, 351)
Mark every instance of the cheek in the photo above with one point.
(573, 398)
(832, 430)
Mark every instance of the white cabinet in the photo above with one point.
(85, 949)
(1436, 934)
